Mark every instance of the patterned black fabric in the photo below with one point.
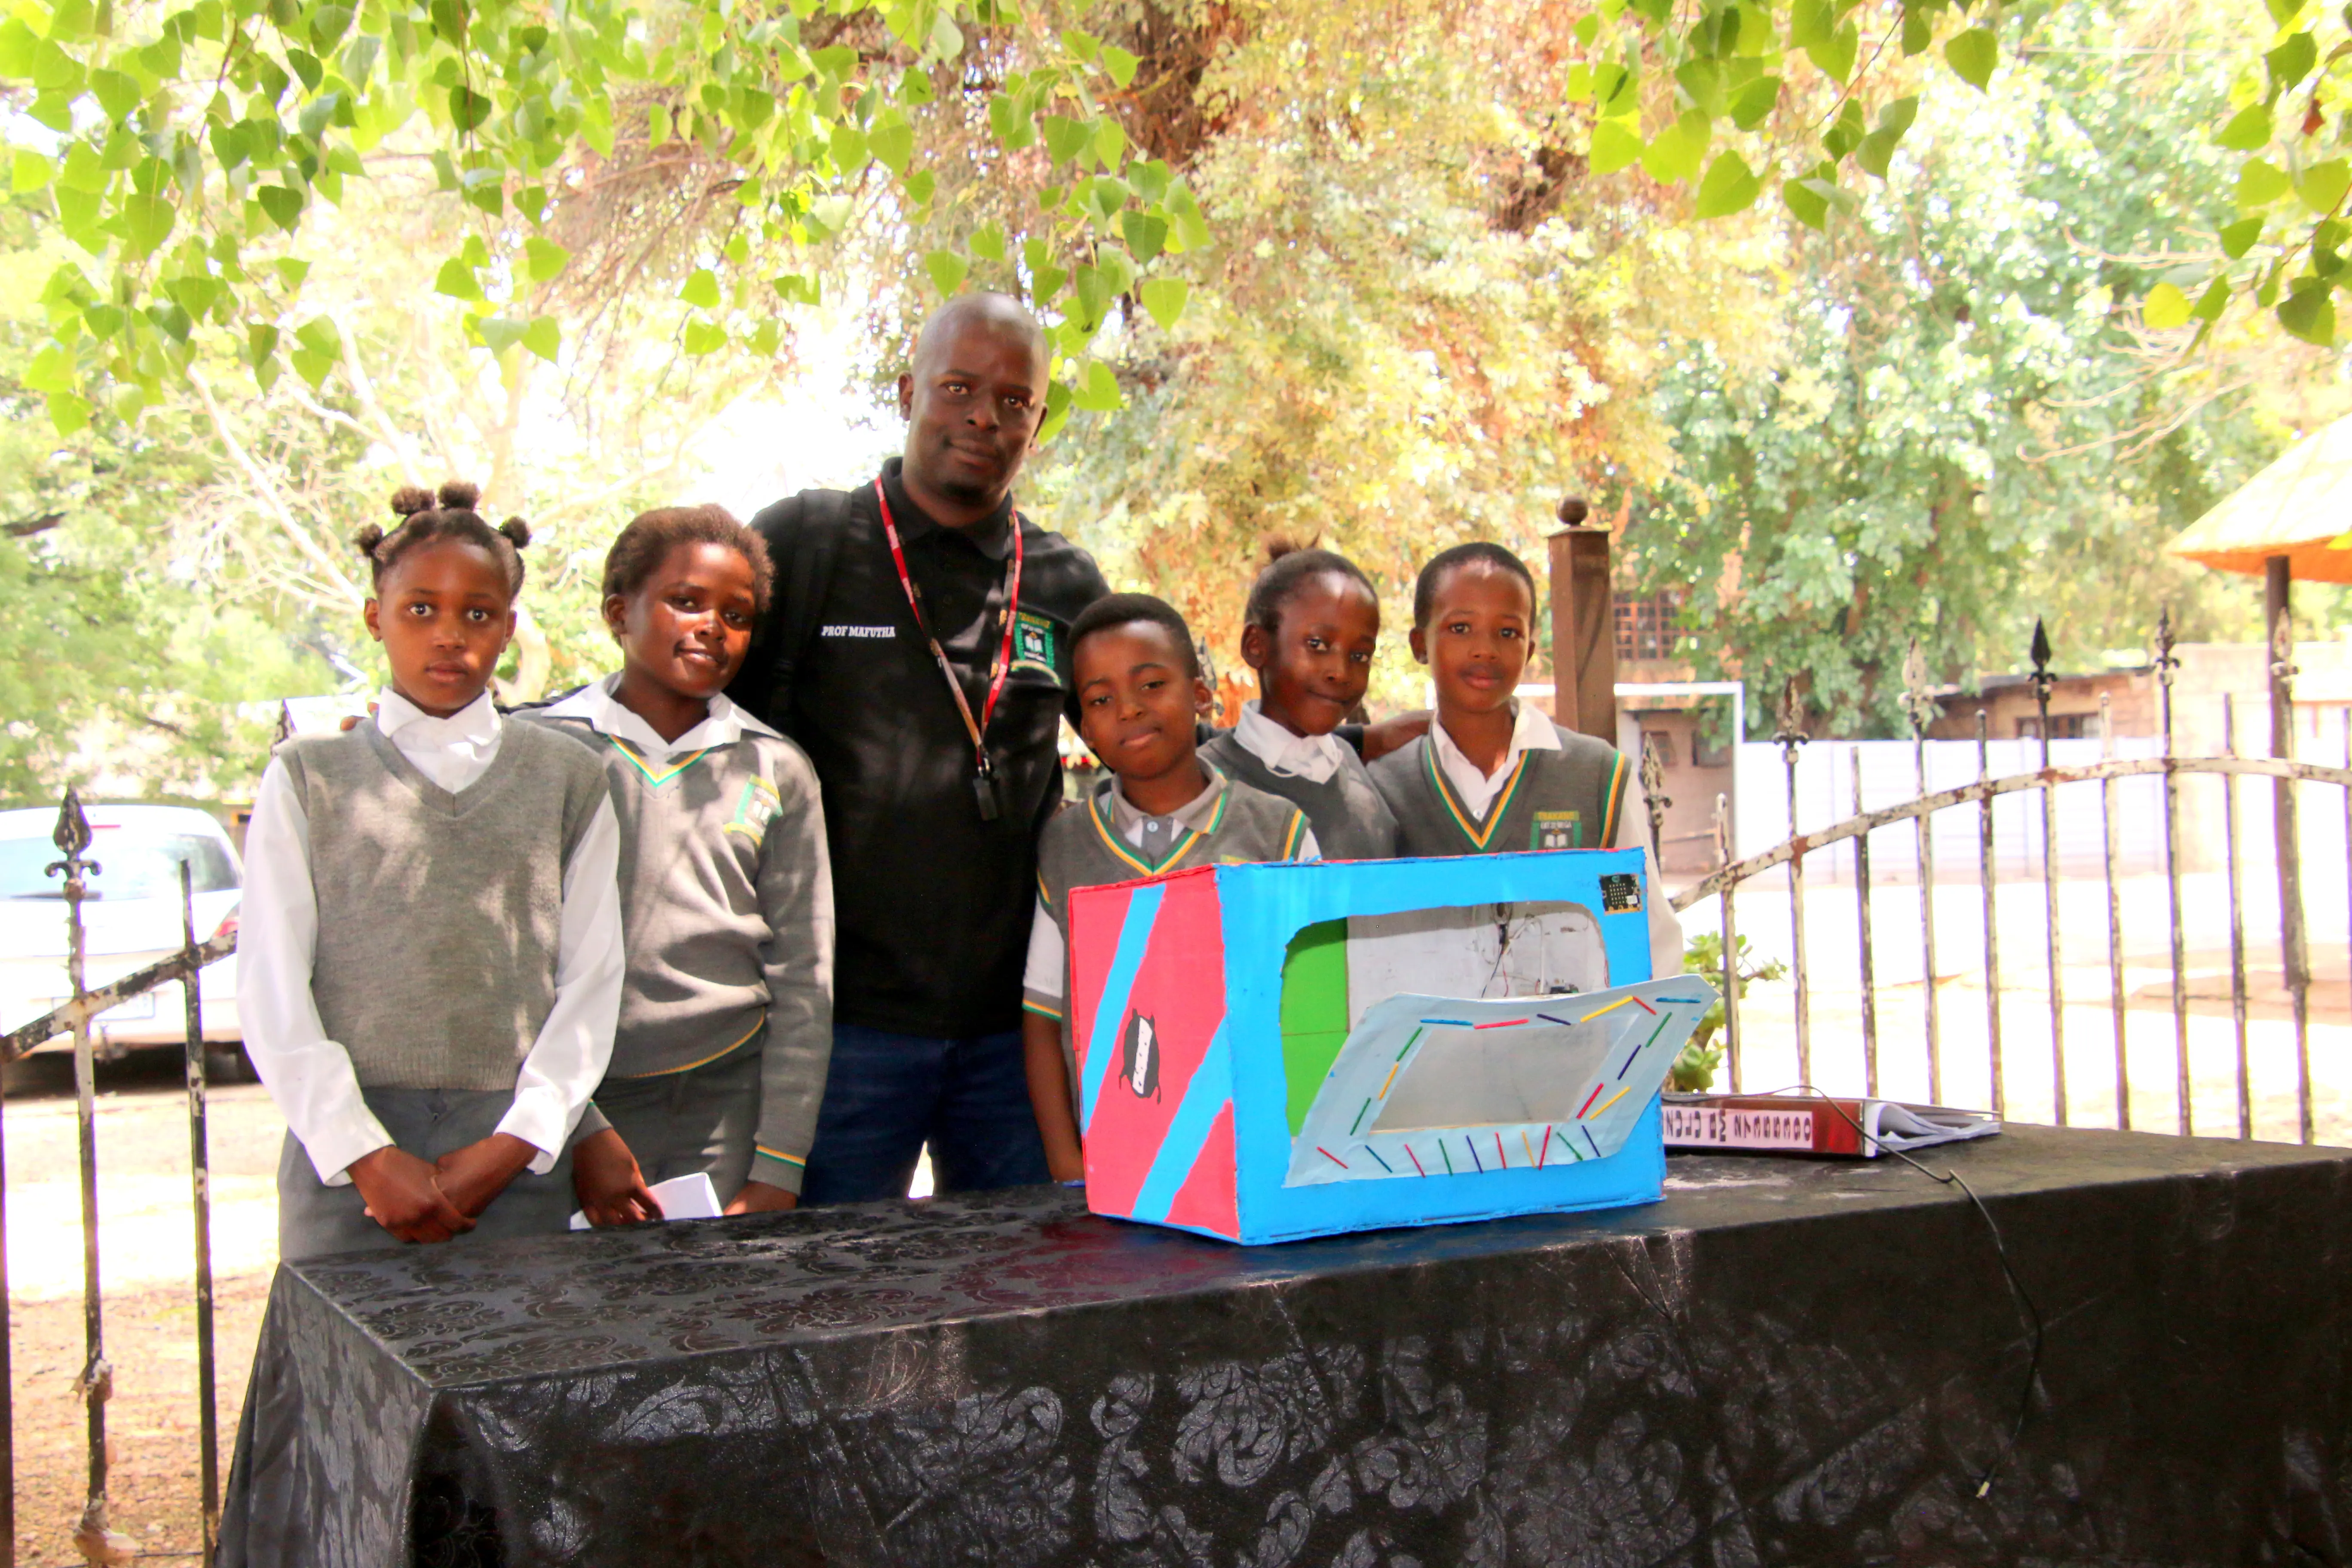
(1783, 1362)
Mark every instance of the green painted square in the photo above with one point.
(1314, 1011)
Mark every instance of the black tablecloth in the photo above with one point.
(1784, 1362)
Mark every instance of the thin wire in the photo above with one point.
(2028, 1313)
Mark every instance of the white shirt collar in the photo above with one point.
(1194, 815)
(723, 726)
(453, 751)
(1315, 758)
(478, 721)
(1530, 732)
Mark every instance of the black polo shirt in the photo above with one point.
(932, 904)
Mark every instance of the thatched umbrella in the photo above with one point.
(2283, 525)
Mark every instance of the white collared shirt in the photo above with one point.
(453, 751)
(1532, 730)
(723, 726)
(310, 1076)
(1315, 758)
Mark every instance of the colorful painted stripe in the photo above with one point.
(1414, 1158)
(1590, 1099)
(1330, 1156)
(1613, 1100)
(1206, 1096)
(1375, 1153)
(1598, 1012)
(1645, 1046)
(1503, 1024)
(1110, 1009)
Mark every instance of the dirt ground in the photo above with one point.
(147, 1264)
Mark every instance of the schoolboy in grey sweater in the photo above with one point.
(726, 905)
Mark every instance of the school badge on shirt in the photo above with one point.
(756, 808)
(1557, 830)
(1032, 643)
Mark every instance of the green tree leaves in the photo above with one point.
(2289, 119)
(1972, 56)
(1729, 65)
(187, 153)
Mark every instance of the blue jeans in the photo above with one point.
(889, 1095)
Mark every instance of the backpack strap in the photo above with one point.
(805, 536)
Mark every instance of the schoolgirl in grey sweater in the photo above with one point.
(726, 1027)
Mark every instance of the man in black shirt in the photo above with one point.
(933, 835)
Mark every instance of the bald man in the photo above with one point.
(933, 832)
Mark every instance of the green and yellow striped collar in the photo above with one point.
(1479, 831)
(1102, 813)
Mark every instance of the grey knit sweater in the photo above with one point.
(439, 914)
(726, 914)
(1351, 820)
(1566, 799)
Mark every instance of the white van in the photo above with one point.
(131, 920)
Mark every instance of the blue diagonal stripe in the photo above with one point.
(1102, 1044)
(1205, 1095)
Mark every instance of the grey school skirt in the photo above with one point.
(315, 1220)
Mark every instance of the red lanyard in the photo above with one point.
(976, 728)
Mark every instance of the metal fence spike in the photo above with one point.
(72, 834)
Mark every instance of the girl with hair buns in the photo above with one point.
(1309, 628)
(430, 954)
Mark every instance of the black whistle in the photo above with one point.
(984, 791)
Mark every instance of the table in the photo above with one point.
(1784, 1362)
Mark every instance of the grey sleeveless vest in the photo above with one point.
(1568, 799)
(1351, 820)
(439, 914)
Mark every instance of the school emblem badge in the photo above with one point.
(1032, 643)
(755, 810)
(1557, 830)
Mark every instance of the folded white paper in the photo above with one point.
(681, 1197)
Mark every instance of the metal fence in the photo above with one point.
(98, 1544)
(94, 1536)
(2284, 771)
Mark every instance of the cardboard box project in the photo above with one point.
(1270, 1052)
